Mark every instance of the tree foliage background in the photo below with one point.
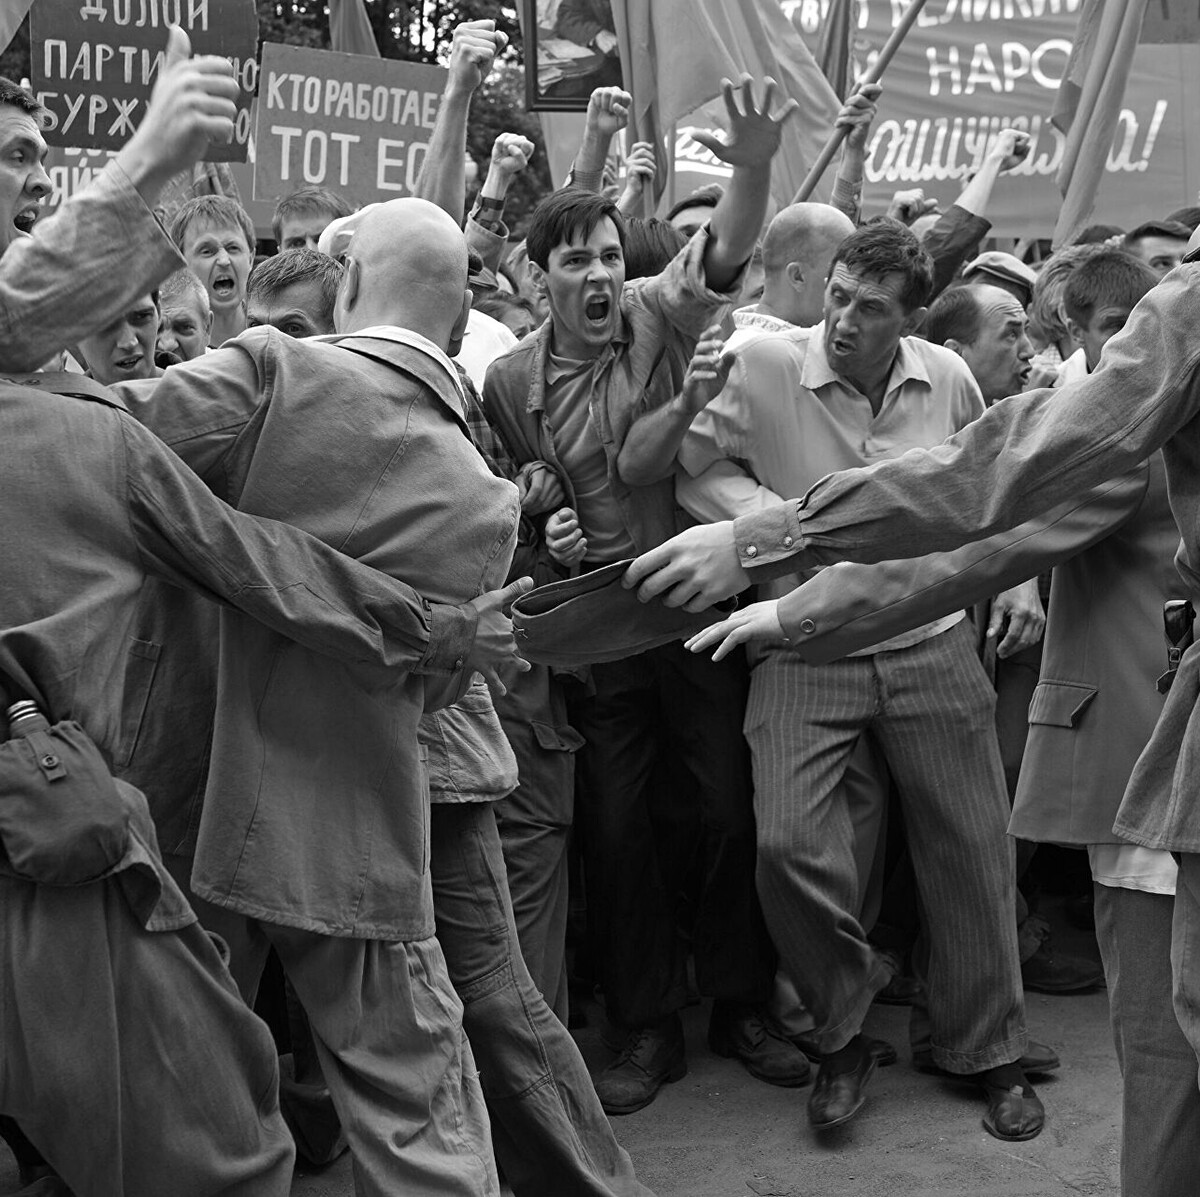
(418, 31)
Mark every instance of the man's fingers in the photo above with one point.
(179, 46)
(512, 591)
(644, 566)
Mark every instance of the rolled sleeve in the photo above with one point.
(681, 294)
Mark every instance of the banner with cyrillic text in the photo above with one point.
(94, 63)
(355, 124)
(971, 67)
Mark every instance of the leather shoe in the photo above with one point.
(651, 1057)
(746, 1033)
(885, 1053)
(1038, 1058)
(901, 989)
(1047, 972)
(839, 1091)
(1014, 1112)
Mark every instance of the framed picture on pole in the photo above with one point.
(570, 49)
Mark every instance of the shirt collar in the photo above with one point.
(413, 340)
(907, 366)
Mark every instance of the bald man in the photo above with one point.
(315, 828)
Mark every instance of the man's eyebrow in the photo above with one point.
(22, 141)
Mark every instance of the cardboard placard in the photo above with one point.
(357, 125)
(94, 63)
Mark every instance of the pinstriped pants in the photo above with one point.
(931, 711)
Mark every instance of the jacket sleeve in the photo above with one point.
(81, 266)
(279, 575)
(846, 607)
(951, 242)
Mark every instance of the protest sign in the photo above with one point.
(972, 67)
(356, 124)
(94, 63)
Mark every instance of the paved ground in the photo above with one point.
(719, 1133)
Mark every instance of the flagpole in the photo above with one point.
(872, 76)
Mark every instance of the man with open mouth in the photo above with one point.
(123, 350)
(566, 396)
(216, 236)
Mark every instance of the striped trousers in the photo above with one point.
(930, 709)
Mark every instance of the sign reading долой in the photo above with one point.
(356, 124)
(94, 63)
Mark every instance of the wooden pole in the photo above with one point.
(872, 76)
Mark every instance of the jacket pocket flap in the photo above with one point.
(556, 739)
(1060, 704)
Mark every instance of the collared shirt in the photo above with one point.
(662, 318)
(1024, 456)
(791, 419)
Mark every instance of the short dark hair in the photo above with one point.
(564, 215)
(304, 202)
(1112, 276)
(650, 245)
(1188, 217)
(292, 266)
(707, 196)
(882, 247)
(956, 315)
(1094, 234)
(1158, 228)
(215, 209)
(13, 95)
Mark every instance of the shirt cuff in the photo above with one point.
(766, 537)
(451, 635)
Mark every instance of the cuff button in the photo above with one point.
(751, 550)
(787, 542)
(807, 626)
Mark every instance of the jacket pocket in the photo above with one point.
(556, 739)
(1060, 704)
(140, 666)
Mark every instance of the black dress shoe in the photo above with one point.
(1014, 1111)
(1046, 971)
(839, 1091)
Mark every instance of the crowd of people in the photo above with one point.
(265, 522)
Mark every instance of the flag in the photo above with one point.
(833, 54)
(1089, 102)
(674, 54)
(12, 13)
(349, 30)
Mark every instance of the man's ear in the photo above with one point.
(954, 345)
(794, 276)
(350, 285)
(460, 325)
(538, 277)
(1075, 331)
(914, 321)
(208, 326)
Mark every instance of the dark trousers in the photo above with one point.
(667, 706)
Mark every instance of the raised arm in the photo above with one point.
(443, 178)
(105, 247)
(485, 229)
(856, 115)
(754, 136)
(607, 115)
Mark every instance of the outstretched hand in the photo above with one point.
(693, 570)
(754, 132)
(759, 621)
(493, 654)
(708, 371)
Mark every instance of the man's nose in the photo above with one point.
(39, 184)
(167, 341)
(311, 241)
(127, 338)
